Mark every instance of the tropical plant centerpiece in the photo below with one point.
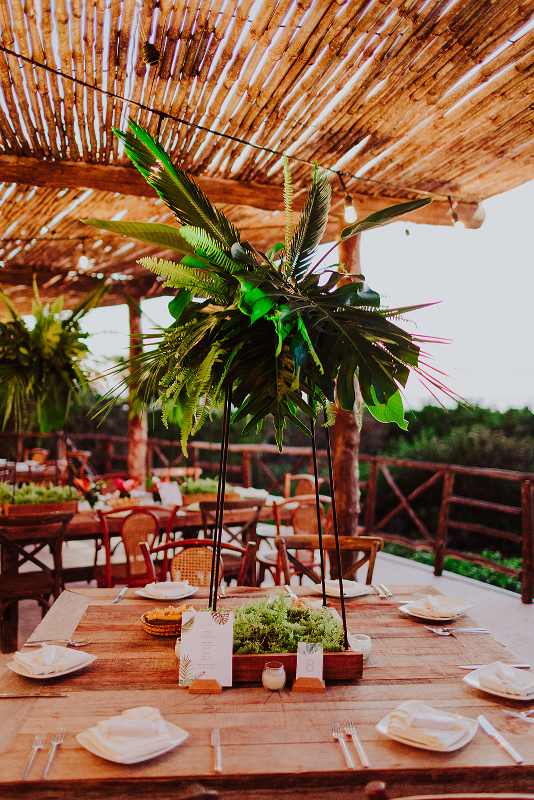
(30, 498)
(203, 489)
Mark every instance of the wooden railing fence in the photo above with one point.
(385, 496)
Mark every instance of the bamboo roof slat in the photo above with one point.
(405, 97)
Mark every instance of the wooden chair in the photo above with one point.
(304, 483)
(242, 531)
(289, 548)
(376, 790)
(22, 538)
(302, 520)
(193, 561)
(137, 524)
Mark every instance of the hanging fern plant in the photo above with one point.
(41, 365)
(269, 323)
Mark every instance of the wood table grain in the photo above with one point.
(274, 744)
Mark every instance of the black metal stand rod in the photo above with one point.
(318, 508)
(218, 509)
(217, 544)
(336, 537)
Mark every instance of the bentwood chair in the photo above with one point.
(298, 484)
(290, 549)
(22, 538)
(376, 790)
(136, 524)
(190, 560)
(246, 513)
(299, 516)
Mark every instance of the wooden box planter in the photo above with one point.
(344, 667)
(29, 509)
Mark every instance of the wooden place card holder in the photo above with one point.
(308, 685)
(205, 686)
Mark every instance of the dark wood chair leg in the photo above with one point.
(376, 790)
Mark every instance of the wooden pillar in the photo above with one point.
(346, 433)
(137, 423)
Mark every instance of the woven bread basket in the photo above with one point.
(161, 628)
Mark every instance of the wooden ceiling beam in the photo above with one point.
(127, 181)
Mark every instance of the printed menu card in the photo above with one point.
(206, 648)
(309, 660)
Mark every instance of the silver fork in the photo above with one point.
(388, 593)
(339, 736)
(57, 740)
(67, 642)
(445, 631)
(38, 744)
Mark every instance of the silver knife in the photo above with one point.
(120, 595)
(486, 726)
(480, 666)
(216, 744)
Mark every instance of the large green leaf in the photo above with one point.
(391, 410)
(383, 216)
(149, 232)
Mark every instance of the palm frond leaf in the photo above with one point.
(311, 226)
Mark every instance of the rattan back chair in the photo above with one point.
(376, 790)
(299, 483)
(240, 518)
(137, 524)
(190, 559)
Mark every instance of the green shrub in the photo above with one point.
(37, 493)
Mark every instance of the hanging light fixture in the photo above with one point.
(84, 262)
(349, 213)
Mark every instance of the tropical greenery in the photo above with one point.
(282, 332)
(41, 364)
(36, 493)
(275, 626)
(200, 486)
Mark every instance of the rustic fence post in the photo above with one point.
(108, 457)
(443, 522)
(527, 571)
(246, 469)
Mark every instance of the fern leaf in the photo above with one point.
(175, 187)
(205, 246)
(178, 276)
(311, 226)
(288, 202)
(149, 232)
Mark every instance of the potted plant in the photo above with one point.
(37, 498)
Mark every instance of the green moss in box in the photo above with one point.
(201, 486)
(274, 626)
(37, 493)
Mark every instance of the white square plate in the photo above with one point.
(471, 729)
(472, 680)
(178, 737)
(350, 589)
(14, 666)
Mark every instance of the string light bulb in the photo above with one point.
(350, 214)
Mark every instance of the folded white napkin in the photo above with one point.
(350, 588)
(502, 678)
(166, 590)
(422, 724)
(135, 733)
(437, 606)
(49, 658)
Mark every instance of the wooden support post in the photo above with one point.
(246, 468)
(137, 423)
(346, 435)
(527, 529)
(443, 522)
(370, 498)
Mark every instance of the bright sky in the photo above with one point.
(484, 279)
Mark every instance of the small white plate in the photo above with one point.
(14, 666)
(471, 728)
(350, 589)
(179, 736)
(178, 596)
(407, 609)
(472, 680)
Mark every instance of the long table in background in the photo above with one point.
(273, 744)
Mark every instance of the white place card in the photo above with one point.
(170, 493)
(206, 648)
(310, 660)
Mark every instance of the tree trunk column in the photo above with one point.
(137, 423)
(346, 432)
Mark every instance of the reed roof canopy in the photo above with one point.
(403, 98)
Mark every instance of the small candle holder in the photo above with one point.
(273, 676)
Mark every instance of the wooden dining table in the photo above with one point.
(274, 744)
